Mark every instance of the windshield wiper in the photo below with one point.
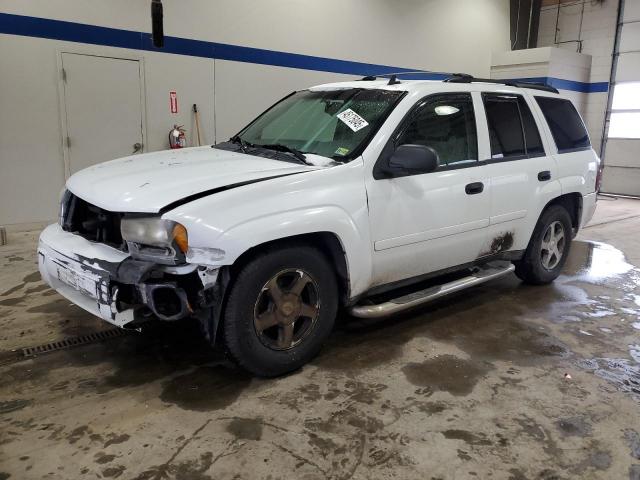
(284, 148)
(243, 144)
(270, 146)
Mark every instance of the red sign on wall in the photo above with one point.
(173, 102)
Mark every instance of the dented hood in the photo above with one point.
(147, 183)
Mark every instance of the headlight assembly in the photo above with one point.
(155, 239)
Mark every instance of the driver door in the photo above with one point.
(427, 222)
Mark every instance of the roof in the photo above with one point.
(454, 84)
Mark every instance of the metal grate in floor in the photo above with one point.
(74, 342)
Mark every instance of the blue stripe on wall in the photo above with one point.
(562, 84)
(113, 37)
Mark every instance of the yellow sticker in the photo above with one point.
(341, 151)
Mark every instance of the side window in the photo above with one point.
(512, 129)
(565, 124)
(447, 124)
(532, 139)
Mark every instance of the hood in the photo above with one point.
(147, 183)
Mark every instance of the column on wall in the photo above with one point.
(568, 71)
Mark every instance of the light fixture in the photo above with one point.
(446, 110)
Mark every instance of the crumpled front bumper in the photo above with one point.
(112, 285)
(82, 272)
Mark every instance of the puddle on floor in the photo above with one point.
(447, 373)
(590, 267)
(593, 305)
(608, 316)
(595, 261)
(622, 373)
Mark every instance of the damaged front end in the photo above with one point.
(128, 269)
(121, 290)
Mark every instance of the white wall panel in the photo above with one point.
(621, 180)
(31, 157)
(630, 37)
(31, 141)
(423, 34)
(628, 67)
(631, 11)
(622, 152)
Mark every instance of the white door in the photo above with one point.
(103, 109)
(523, 176)
(428, 222)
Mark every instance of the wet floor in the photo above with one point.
(505, 381)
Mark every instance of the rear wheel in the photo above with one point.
(548, 248)
(280, 309)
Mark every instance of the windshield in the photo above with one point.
(336, 124)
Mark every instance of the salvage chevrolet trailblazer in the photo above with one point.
(372, 196)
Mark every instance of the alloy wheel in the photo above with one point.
(552, 246)
(287, 309)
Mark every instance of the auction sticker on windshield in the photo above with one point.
(352, 120)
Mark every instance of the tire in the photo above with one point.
(541, 263)
(268, 329)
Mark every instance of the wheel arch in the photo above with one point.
(327, 242)
(572, 202)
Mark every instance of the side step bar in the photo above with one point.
(488, 272)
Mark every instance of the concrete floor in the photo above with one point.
(504, 381)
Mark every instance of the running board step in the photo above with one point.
(488, 272)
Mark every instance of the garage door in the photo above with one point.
(622, 146)
(103, 108)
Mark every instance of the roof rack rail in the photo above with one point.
(471, 79)
(393, 76)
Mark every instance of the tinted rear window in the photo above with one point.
(512, 130)
(565, 124)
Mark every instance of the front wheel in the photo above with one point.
(281, 308)
(548, 248)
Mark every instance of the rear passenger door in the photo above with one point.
(522, 173)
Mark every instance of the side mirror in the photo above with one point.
(157, 29)
(412, 160)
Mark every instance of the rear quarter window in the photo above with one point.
(565, 124)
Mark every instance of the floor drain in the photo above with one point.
(74, 342)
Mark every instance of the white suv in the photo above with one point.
(373, 196)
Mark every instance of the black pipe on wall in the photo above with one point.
(525, 19)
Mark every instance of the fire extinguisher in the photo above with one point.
(177, 138)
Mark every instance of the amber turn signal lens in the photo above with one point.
(180, 238)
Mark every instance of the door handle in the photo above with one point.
(137, 147)
(474, 188)
(544, 176)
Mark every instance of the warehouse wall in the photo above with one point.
(418, 34)
(568, 71)
(588, 27)
(621, 160)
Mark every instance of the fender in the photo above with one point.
(326, 218)
(236, 240)
(223, 226)
(579, 172)
(545, 194)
